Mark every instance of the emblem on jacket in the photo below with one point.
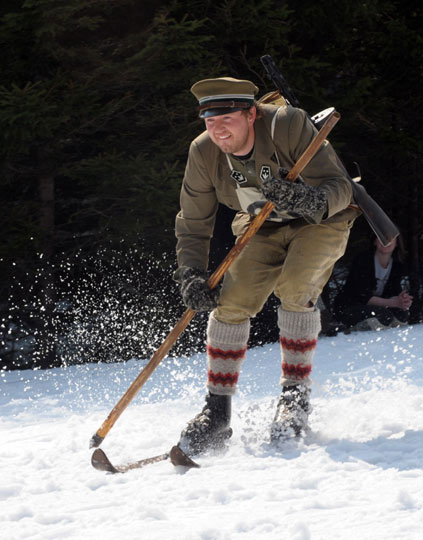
(265, 172)
(238, 177)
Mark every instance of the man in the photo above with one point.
(241, 161)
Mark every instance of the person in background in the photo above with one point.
(241, 160)
(373, 297)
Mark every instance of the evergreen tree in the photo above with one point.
(96, 118)
(373, 55)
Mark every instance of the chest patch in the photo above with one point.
(238, 177)
(265, 172)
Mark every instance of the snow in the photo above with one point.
(357, 475)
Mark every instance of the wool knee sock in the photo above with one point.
(226, 348)
(298, 338)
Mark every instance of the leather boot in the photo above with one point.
(292, 411)
(210, 428)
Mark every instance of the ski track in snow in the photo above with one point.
(357, 475)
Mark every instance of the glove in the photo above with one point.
(295, 197)
(196, 294)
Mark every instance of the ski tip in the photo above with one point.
(101, 462)
(179, 458)
(96, 440)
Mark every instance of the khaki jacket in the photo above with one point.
(208, 180)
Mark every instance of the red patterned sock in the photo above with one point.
(298, 338)
(226, 348)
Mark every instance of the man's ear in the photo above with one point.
(252, 113)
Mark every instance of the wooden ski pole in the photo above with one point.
(214, 279)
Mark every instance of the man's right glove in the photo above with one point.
(196, 294)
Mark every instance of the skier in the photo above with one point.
(241, 161)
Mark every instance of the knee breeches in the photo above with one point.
(293, 262)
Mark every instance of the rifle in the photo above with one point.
(379, 221)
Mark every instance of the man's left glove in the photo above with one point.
(295, 197)
(196, 294)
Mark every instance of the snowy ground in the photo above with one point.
(358, 475)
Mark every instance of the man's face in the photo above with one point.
(233, 133)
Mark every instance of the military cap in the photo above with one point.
(223, 95)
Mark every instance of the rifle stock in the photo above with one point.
(381, 224)
(383, 227)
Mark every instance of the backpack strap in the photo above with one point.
(272, 131)
(272, 127)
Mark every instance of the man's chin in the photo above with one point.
(226, 148)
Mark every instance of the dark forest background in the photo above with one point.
(95, 122)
